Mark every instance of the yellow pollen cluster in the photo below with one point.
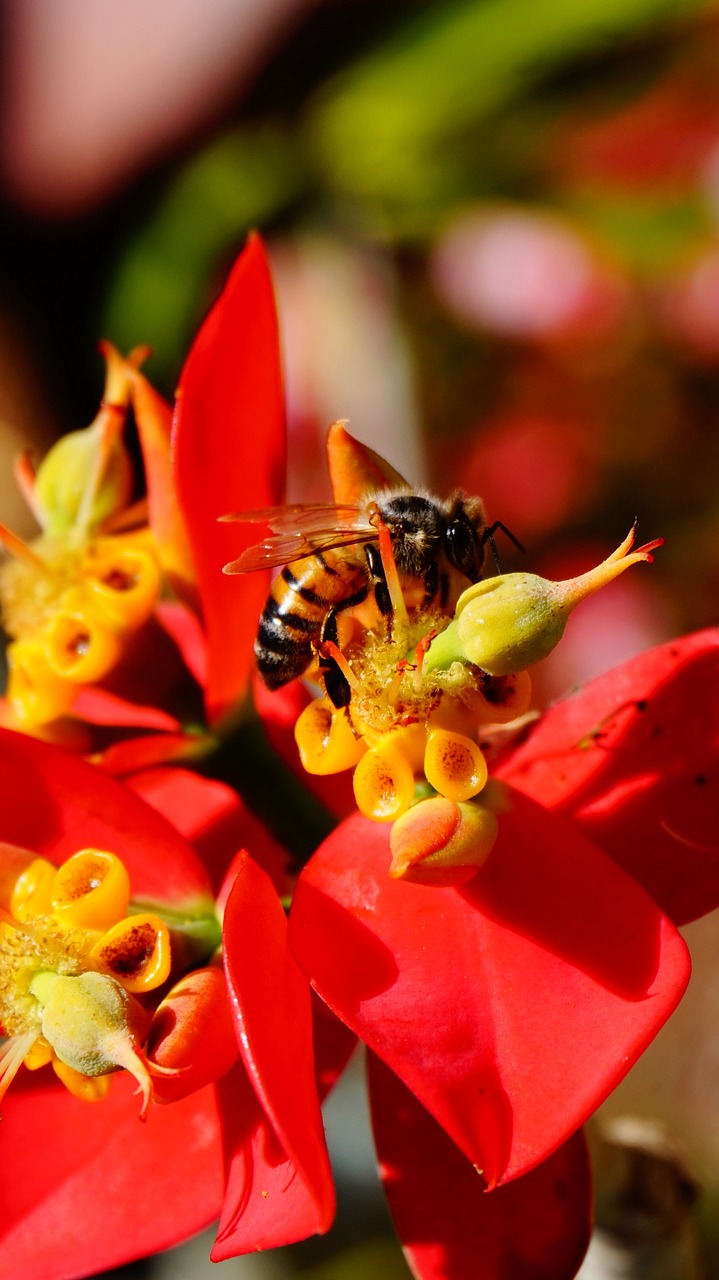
(72, 962)
(404, 730)
(71, 599)
(71, 608)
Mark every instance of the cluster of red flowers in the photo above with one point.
(497, 1013)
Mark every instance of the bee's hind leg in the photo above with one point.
(337, 686)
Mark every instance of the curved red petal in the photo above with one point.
(184, 627)
(334, 1045)
(75, 1177)
(510, 1008)
(154, 426)
(271, 1003)
(192, 1032)
(98, 706)
(633, 759)
(213, 818)
(53, 803)
(131, 754)
(229, 455)
(535, 1228)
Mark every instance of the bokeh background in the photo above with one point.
(494, 227)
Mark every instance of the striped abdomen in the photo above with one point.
(301, 596)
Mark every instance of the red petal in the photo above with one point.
(98, 706)
(213, 818)
(123, 758)
(274, 1025)
(355, 469)
(192, 1029)
(633, 759)
(535, 1228)
(154, 424)
(510, 1008)
(55, 804)
(77, 1177)
(187, 634)
(334, 1045)
(229, 456)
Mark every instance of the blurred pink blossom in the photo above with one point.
(524, 274)
(94, 92)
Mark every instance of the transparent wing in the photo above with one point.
(286, 547)
(302, 516)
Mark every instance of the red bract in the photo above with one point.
(633, 760)
(535, 1228)
(74, 1192)
(229, 456)
(511, 1008)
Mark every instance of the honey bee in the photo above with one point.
(330, 562)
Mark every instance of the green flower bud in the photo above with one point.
(505, 624)
(87, 476)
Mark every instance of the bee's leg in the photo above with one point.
(432, 582)
(488, 536)
(337, 686)
(378, 580)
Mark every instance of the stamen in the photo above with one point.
(419, 656)
(132, 517)
(24, 474)
(389, 565)
(12, 1054)
(20, 550)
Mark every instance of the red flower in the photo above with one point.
(248, 1144)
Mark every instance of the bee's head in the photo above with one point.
(416, 524)
(463, 536)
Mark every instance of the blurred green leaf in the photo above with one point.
(161, 283)
(652, 235)
(386, 129)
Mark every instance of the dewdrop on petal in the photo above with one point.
(507, 623)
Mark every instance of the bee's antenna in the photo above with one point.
(488, 536)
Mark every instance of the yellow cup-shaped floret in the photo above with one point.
(33, 890)
(80, 647)
(136, 951)
(124, 581)
(87, 1088)
(384, 781)
(92, 890)
(35, 692)
(454, 765)
(325, 740)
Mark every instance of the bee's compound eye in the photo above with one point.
(461, 547)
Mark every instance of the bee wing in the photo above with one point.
(298, 516)
(286, 547)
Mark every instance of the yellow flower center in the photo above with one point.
(71, 607)
(72, 962)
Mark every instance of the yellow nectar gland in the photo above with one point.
(405, 728)
(72, 962)
(71, 599)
